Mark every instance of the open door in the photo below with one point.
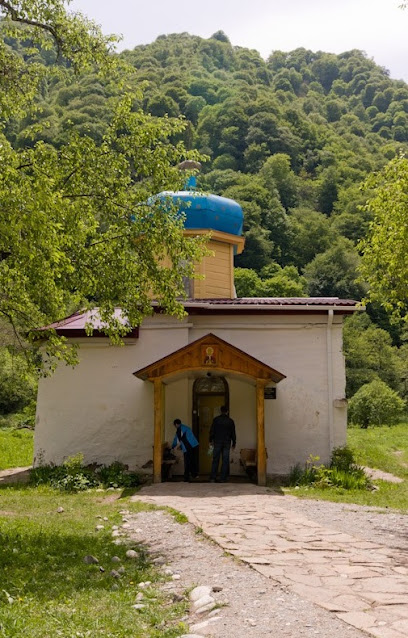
(209, 394)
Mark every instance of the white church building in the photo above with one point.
(277, 363)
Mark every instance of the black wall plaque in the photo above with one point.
(269, 393)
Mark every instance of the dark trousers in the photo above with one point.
(221, 450)
(190, 463)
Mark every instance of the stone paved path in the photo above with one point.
(15, 475)
(362, 582)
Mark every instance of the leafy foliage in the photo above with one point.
(342, 472)
(385, 263)
(375, 404)
(273, 281)
(334, 272)
(370, 355)
(17, 383)
(298, 132)
(78, 227)
(72, 476)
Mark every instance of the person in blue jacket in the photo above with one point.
(186, 440)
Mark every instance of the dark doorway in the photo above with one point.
(209, 394)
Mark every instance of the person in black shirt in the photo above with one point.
(222, 437)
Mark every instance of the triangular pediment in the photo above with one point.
(206, 354)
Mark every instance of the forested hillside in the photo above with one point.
(291, 138)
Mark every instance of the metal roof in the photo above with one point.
(75, 324)
(274, 301)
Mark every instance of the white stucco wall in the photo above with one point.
(101, 410)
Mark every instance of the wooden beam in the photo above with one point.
(260, 429)
(217, 235)
(158, 428)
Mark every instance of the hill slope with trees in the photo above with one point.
(291, 138)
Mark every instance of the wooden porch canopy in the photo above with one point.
(209, 353)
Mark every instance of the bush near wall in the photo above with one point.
(342, 472)
(72, 476)
(375, 403)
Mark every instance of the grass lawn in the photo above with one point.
(383, 448)
(46, 588)
(16, 448)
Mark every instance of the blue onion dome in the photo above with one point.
(207, 211)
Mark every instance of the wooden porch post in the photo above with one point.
(260, 422)
(158, 428)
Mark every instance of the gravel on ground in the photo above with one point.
(249, 605)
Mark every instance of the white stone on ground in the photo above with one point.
(199, 592)
(205, 608)
(203, 625)
(202, 602)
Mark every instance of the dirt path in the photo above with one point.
(302, 562)
(249, 605)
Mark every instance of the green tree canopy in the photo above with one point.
(334, 273)
(385, 249)
(273, 281)
(375, 404)
(276, 173)
(369, 355)
(311, 234)
(17, 383)
(78, 225)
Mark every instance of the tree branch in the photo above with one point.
(15, 331)
(13, 14)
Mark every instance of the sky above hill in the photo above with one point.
(377, 27)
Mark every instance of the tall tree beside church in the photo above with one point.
(78, 225)
(384, 263)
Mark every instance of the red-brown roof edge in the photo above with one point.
(75, 323)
